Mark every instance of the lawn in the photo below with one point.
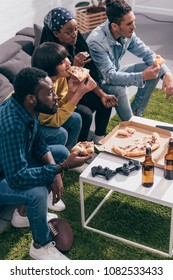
(140, 221)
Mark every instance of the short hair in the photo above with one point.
(27, 82)
(47, 56)
(116, 10)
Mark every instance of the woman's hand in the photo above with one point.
(81, 59)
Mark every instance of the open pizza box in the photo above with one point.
(141, 130)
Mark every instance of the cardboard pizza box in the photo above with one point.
(141, 130)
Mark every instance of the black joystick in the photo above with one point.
(126, 169)
(99, 170)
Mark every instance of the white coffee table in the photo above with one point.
(161, 192)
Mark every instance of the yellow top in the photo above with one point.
(65, 108)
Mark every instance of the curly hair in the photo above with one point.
(27, 82)
(116, 10)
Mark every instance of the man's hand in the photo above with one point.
(151, 72)
(81, 59)
(57, 189)
(109, 101)
(167, 85)
(75, 159)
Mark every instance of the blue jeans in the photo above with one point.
(143, 94)
(35, 200)
(67, 134)
(124, 109)
(73, 126)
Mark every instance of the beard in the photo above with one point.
(42, 108)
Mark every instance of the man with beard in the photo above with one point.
(29, 169)
(109, 42)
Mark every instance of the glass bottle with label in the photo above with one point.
(148, 169)
(168, 164)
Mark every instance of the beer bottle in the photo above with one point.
(168, 164)
(148, 169)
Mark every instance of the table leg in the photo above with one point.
(171, 235)
(82, 202)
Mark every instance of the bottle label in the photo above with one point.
(168, 165)
(147, 174)
(148, 168)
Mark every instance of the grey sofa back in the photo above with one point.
(15, 55)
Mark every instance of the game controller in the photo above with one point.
(126, 169)
(129, 167)
(99, 170)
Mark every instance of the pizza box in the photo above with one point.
(141, 130)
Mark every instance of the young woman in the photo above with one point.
(61, 27)
(52, 58)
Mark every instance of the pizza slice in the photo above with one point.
(85, 148)
(79, 72)
(126, 132)
(138, 147)
(158, 60)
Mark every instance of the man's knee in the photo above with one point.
(62, 135)
(118, 91)
(38, 196)
(77, 120)
(59, 152)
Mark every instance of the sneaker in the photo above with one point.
(97, 139)
(80, 169)
(59, 206)
(19, 221)
(47, 252)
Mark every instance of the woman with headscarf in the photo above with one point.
(61, 27)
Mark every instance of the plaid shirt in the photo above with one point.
(19, 135)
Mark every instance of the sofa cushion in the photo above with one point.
(8, 49)
(37, 32)
(6, 88)
(26, 42)
(15, 64)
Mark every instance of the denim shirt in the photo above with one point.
(107, 53)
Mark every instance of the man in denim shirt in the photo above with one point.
(28, 167)
(108, 43)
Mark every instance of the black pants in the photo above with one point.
(88, 104)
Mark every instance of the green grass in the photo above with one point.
(131, 218)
